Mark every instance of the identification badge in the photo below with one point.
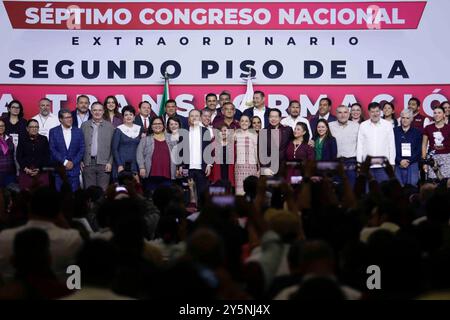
(406, 150)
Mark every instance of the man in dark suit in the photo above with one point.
(324, 113)
(81, 114)
(285, 135)
(143, 118)
(67, 149)
(195, 141)
(171, 111)
(259, 109)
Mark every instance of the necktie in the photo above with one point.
(145, 123)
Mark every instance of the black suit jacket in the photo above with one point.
(249, 113)
(75, 118)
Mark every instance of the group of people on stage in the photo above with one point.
(100, 142)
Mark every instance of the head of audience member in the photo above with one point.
(45, 107)
(406, 118)
(97, 111)
(414, 105)
(157, 125)
(128, 114)
(274, 118)
(356, 113)
(438, 115)
(446, 106)
(285, 223)
(256, 123)
(250, 187)
(324, 106)
(169, 224)
(164, 195)
(205, 247)
(319, 288)
(259, 99)
(224, 96)
(342, 114)
(65, 118)
(244, 123)
(206, 117)
(112, 106)
(31, 253)
(317, 258)
(145, 108)
(33, 128)
(301, 132)
(97, 261)
(322, 129)
(128, 225)
(388, 110)
(374, 112)
(45, 204)
(194, 117)
(173, 125)
(211, 101)
(15, 109)
(228, 111)
(83, 103)
(171, 108)
(294, 108)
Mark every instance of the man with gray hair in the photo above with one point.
(97, 160)
(346, 134)
(408, 142)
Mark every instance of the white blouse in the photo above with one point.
(131, 132)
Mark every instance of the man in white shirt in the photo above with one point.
(45, 211)
(294, 117)
(45, 118)
(346, 134)
(259, 110)
(195, 141)
(376, 139)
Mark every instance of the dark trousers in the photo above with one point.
(151, 183)
(74, 182)
(200, 180)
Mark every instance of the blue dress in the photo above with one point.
(124, 152)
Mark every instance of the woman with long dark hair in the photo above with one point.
(112, 113)
(356, 113)
(325, 145)
(389, 114)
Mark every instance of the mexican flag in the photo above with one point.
(165, 97)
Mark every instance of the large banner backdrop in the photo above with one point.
(347, 50)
